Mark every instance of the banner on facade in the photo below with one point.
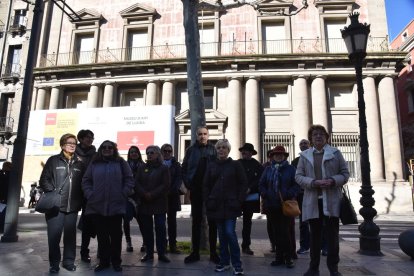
(127, 126)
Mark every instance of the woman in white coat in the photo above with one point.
(321, 172)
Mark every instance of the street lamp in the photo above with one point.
(355, 37)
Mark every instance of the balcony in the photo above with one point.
(221, 49)
(6, 129)
(18, 24)
(11, 72)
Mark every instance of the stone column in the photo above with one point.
(234, 127)
(168, 93)
(152, 89)
(93, 95)
(319, 102)
(109, 94)
(301, 111)
(252, 114)
(55, 98)
(373, 129)
(390, 129)
(41, 98)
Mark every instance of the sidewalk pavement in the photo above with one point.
(29, 256)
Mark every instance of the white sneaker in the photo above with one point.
(238, 271)
(221, 268)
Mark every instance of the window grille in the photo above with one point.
(348, 144)
(271, 140)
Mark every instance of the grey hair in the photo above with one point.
(224, 142)
(157, 150)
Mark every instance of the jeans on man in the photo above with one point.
(229, 246)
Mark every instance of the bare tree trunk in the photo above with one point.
(194, 80)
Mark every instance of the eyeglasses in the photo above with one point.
(167, 151)
(70, 144)
(150, 153)
(107, 147)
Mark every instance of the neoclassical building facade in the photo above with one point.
(266, 77)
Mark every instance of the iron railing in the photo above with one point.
(18, 23)
(271, 140)
(348, 144)
(214, 49)
(6, 124)
(11, 70)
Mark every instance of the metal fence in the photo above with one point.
(213, 49)
(348, 144)
(271, 140)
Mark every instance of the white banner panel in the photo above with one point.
(127, 126)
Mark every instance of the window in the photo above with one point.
(341, 97)
(334, 40)
(274, 38)
(276, 97)
(132, 98)
(76, 100)
(209, 98)
(13, 67)
(138, 44)
(208, 47)
(19, 19)
(84, 51)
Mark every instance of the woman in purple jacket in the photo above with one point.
(106, 184)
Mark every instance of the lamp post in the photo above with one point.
(355, 37)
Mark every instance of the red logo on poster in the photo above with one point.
(141, 139)
(51, 119)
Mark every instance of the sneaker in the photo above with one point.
(221, 268)
(238, 271)
(290, 264)
(324, 252)
(302, 250)
(277, 262)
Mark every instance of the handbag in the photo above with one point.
(49, 202)
(290, 207)
(347, 212)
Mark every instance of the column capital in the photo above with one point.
(254, 78)
(314, 77)
(295, 77)
(113, 83)
(56, 86)
(391, 75)
(169, 80)
(153, 81)
(238, 78)
(370, 76)
(99, 84)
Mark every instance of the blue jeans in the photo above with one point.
(228, 242)
(160, 233)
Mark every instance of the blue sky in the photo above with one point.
(399, 14)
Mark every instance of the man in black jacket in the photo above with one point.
(194, 167)
(253, 170)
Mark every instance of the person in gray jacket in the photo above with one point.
(321, 172)
(106, 184)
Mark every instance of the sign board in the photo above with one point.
(126, 126)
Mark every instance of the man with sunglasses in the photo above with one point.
(194, 166)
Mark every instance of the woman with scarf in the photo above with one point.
(278, 181)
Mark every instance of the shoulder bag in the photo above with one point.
(49, 201)
(347, 212)
(290, 207)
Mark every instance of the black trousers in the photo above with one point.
(247, 227)
(58, 223)
(280, 228)
(197, 218)
(331, 234)
(172, 228)
(109, 233)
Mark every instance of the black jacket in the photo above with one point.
(253, 170)
(174, 202)
(58, 172)
(195, 163)
(225, 186)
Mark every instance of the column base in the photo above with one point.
(370, 246)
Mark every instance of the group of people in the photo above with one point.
(112, 191)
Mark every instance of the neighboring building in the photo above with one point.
(404, 42)
(15, 28)
(266, 78)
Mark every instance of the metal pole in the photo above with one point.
(369, 240)
(194, 80)
(13, 199)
